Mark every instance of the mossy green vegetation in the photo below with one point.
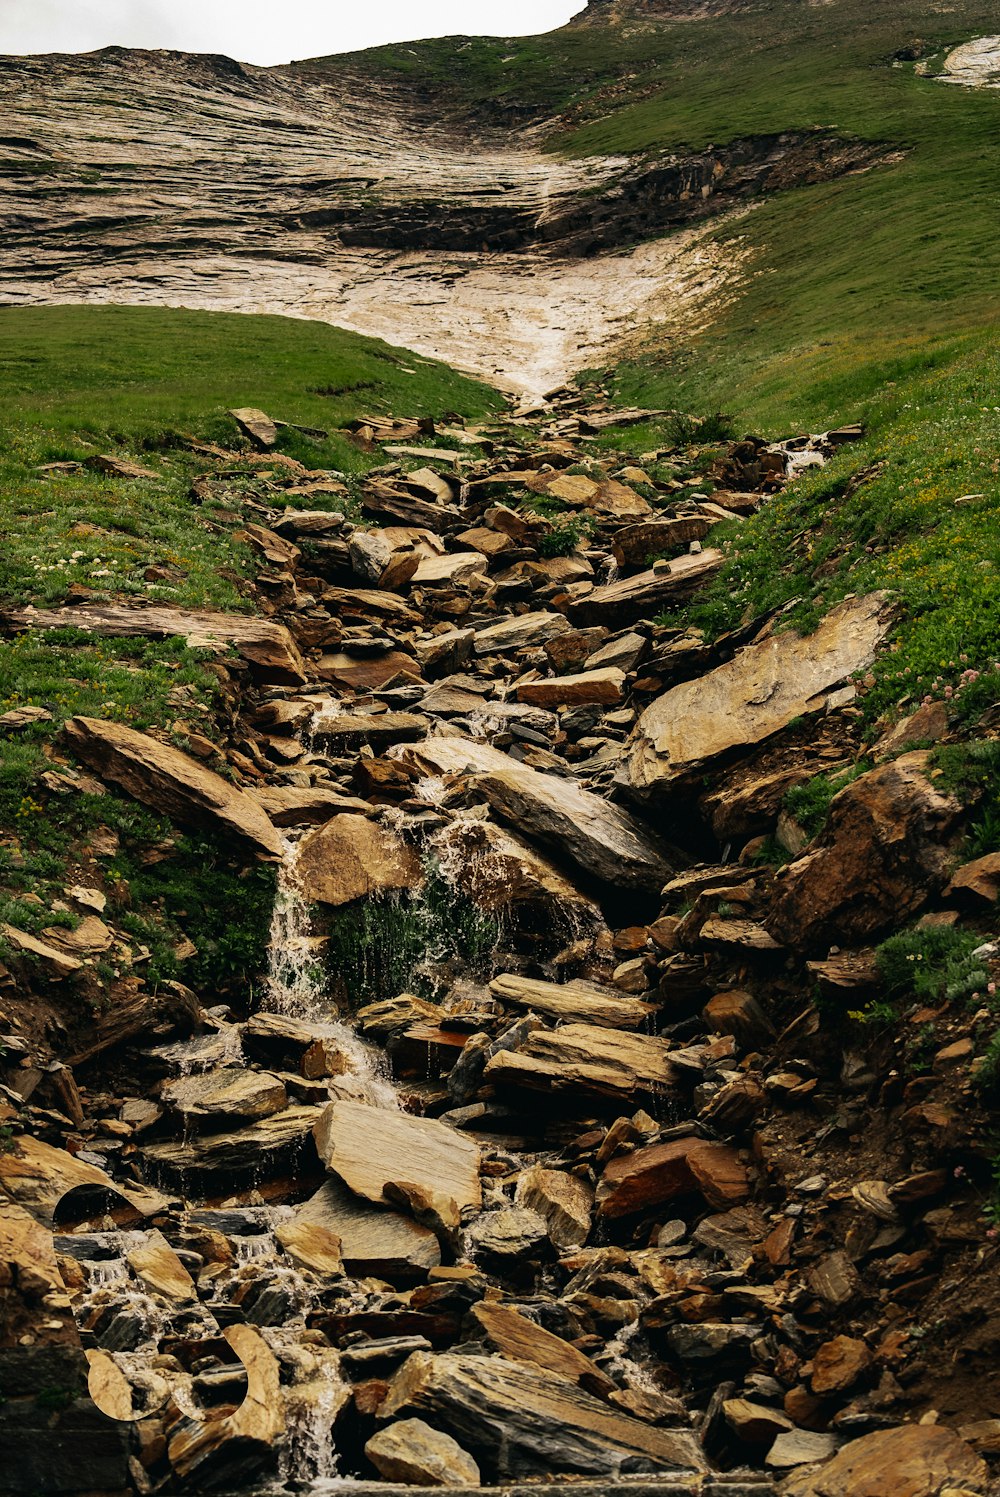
(931, 964)
(140, 383)
(912, 509)
(407, 943)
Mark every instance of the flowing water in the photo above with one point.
(296, 983)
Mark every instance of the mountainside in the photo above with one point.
(499, 877)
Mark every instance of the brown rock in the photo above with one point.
(755, 1423)
(838, 1364)
(368, 1146)
(834, 1279)
(916, 1460)
(584, 1058)
(979, 880)
(564, 1201)
(352, 858)
(311, 1246)
(605, 841)
(649, 1177)
(591, 688)
(411, 1451)
(585, 1001)
(752, 696)
(256, 425)
(519, 1339)
(882, 852)
(171, 782)
(373, 1239)
(520, 1421)
(646, 594)
(739, 1014)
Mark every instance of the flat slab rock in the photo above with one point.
(373, 1239)
(915, 1460)
(607, 843)
(753, 695)
(266, 645)
(171, 782)
(642, 596)
(369, 1147)
(518, 1420)
(583, 1001)
(584, 1058)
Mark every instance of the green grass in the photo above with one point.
(134, 382)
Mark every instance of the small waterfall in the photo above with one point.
(296, 984)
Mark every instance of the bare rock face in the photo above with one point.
(170, 781)
(752, 696)
(411, 1451)
(351, 858)
(520, 1421)
(883, 851)
(367, 1147)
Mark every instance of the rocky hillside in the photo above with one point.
(611, 1097)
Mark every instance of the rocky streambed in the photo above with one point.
(531, 1157)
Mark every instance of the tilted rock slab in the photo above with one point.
(170, 781)
(586, 1001)
(603, 840)
(916, 1460)
(520, 1421)
(645, 1179)
(266, 645)
(752, 696)
(367, 1147)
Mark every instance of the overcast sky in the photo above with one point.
(264, 31)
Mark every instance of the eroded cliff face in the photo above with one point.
(156, 177)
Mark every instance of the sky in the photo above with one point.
(263, 31)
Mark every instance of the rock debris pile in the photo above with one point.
(595, 1192)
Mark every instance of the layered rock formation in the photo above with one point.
(159, 178)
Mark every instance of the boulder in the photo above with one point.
(366, 1147)
(506, 1237)
(351, 857)
(411, 1451)
(752, 696)
(171, 782)
(564, 1201)
(915, 1460)
(36, 1176)
(227, 1093)
(312, 1246)
(639, 545)
(243, 1441)
(282, 1141)
(604, 841)
(268, 646)
(649, 1177)
(755, 1423)
(838, 1364)
(882, 853)
(373, 1239)
(978, 881)
(523, 631)
(500, 871)
(521, 1421)
(255, 424)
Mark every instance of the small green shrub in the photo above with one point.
(931, 964)
(564, 538)
(810, 803)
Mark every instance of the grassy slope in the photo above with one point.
(872, 298)
(75, 380)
